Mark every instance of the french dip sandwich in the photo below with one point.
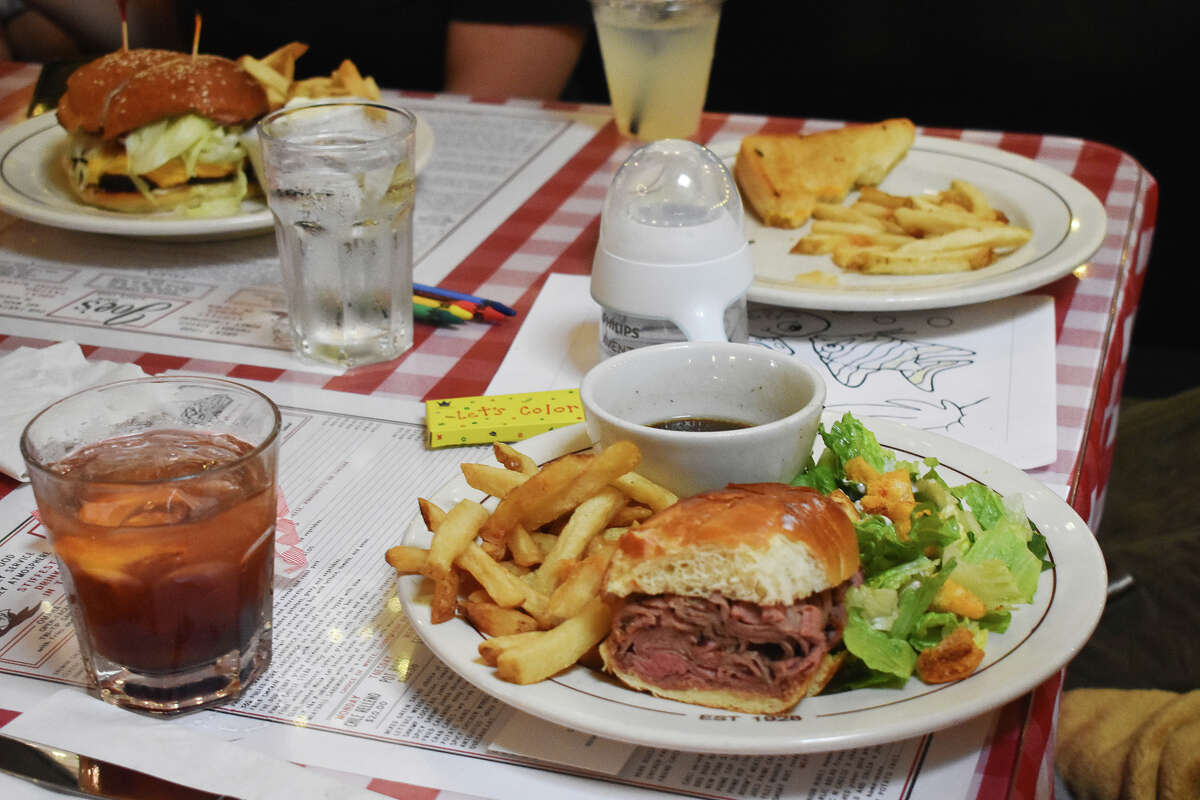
(152, 130)
(732, 598)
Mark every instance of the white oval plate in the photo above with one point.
(1041, 639)
(1067, 220)
(33, 187)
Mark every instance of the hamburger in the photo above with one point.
(732, 598)
(151, 130)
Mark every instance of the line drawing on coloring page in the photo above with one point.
(927, 415)
(869, 357)
(851, 359)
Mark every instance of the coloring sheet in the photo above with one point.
(983, 374)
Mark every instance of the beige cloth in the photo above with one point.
(1130, 744)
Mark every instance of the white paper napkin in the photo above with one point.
(169, 749)
(35, 378)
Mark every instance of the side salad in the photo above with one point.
(942, 566)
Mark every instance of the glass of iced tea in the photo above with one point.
(159, 498)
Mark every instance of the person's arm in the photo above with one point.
(95, 26)
(493, 60)
(26, 34)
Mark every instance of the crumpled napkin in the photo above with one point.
(39, 377)
(1129, 744)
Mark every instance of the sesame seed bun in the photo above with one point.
(82, 106)
(122, 91)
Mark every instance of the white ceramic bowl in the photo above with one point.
(779, 396)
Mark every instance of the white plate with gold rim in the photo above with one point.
(1067, 220)
(33, 187)
(1040, 640)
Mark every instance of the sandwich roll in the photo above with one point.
(732, 598)
(151, 130)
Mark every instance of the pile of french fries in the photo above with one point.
(276, 73)
(956, 230)
(529, 573)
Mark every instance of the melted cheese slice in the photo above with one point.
(110, 159)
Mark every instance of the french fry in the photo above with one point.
(283, 59)
(430, 513)
(274, 84)
(510, 458)
(276, 73)
(497, 621)
(871, 194)
(946, 219)
(493, 481)
(524, 548)
(818, 244)
(545, 542)
(607, 537)
(589, 519)
(608, 465)
(872, 209)
(505, 589)
(490, 649)
(536, 588)
(453, 535)
(445, 597)
(965, 238)
(845, 228)
(884, 262)
(405, 559)
(955, 230)
(645, 491)
(627, 515)
(582, 584)
(556, 649)
(850, 214)
(517, 506)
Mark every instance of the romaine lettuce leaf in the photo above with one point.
(878, 606)
(878, 650)
(1006, 545)
(931, 628)
(848, 438)
(880, 548)
(914, 601)
(986, 504)
(903, 574)
(819, 476)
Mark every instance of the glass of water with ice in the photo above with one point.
(339, 181)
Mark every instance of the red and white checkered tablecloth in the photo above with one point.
(555, 230)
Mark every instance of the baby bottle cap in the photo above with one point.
(671, 240)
